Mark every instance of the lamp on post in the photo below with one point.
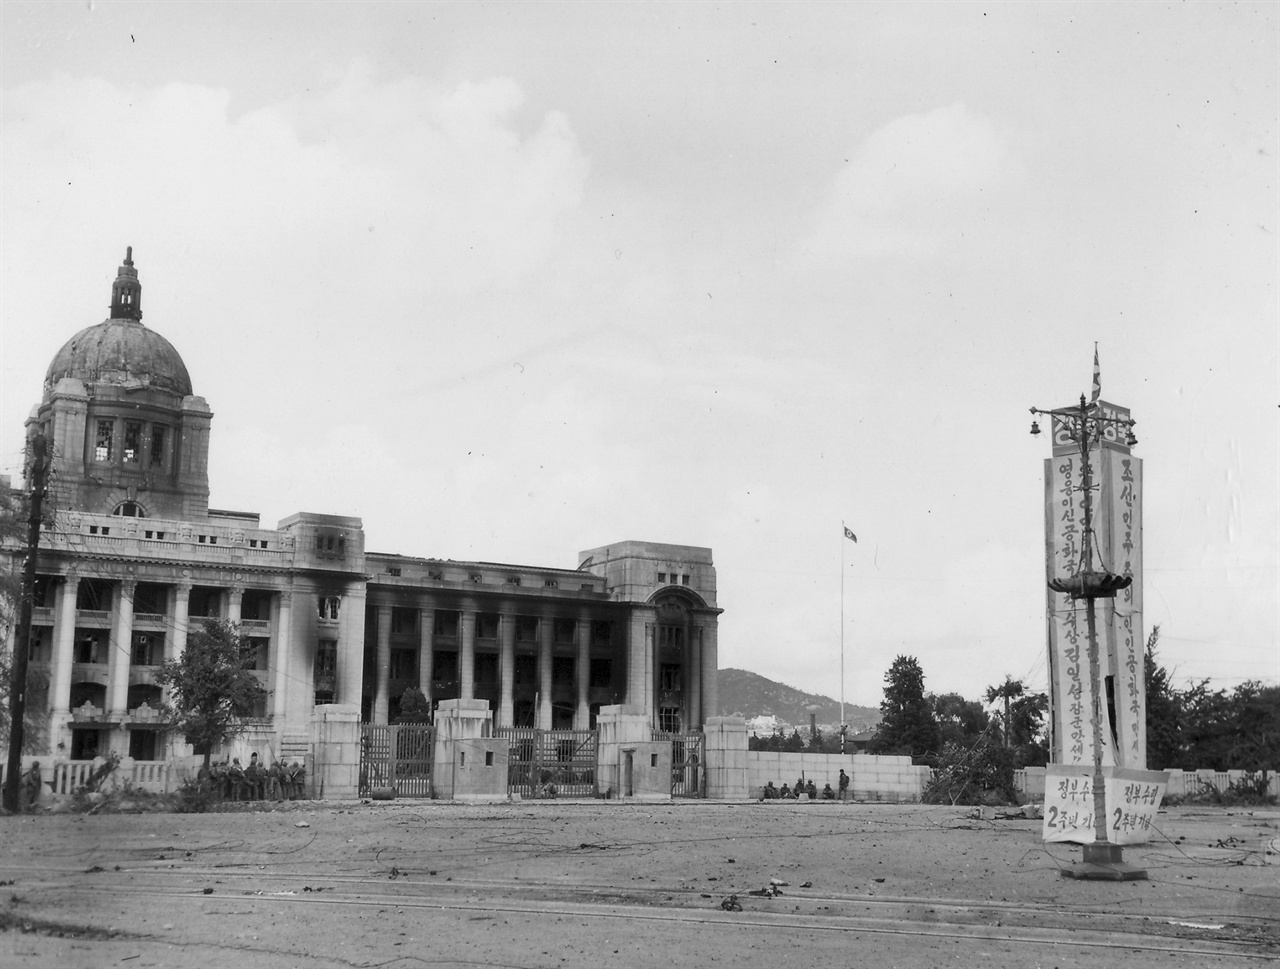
(1085, 425)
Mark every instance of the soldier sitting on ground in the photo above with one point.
(785, 793)
(812, 790)
(827, 793)
(770, 792)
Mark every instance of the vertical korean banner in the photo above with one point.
(1123, 508)
(1070, 697)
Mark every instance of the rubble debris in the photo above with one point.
(731, 904)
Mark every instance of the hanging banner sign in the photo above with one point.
(1068, 803)
(1133, 797)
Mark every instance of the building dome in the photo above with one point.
(121, 350)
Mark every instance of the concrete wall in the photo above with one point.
(872, 778)
(476, 771)
(644, 770)
(725, 756)
(335, 740)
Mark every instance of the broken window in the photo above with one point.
(601, 632)
(446, 623)
(132, 442)
(403, 619)
(404, 664)
(486, 668)
(102, 445)
(328, 607)
(147, 649)
(601, 672)
(526, 671)
(487, 626)
(526, 629)
(669, 719)
(129, 509)
(565, 631)
(444, 666)
(326, 672)
(562, 670)
(157, 446)
(671, 636)
(669, 676)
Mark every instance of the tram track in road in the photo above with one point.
(974, 920)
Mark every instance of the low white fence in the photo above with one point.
(1182, 783)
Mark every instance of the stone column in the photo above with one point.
(467, 655)
(235, 596)
(651, 670)
(281, 646)
(545, 633)
(120, 648)
(693, 678)
(381, 699)
(710, 669)
(351, 645)
(426, 650)
(636, 636)
(688, 712)
(64, 643)
(582, 675)
(176, 645)
(506, 669)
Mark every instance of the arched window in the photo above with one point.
(129, 509)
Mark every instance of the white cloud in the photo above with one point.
(909, 184)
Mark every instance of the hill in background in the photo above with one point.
(747, 694)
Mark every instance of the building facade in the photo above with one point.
(133, 557)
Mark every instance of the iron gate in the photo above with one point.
(550, 763)
(687, 763)
(397, 756)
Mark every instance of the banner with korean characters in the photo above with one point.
(1068, 803)
(1133, 797)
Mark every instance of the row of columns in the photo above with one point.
(506, 664)
(120, 641)
(699, 662)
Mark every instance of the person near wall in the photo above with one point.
(812, 790)
(785, 792)
(844, 785)
(827, 793)
(31, 784)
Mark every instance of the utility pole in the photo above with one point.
(22, 640)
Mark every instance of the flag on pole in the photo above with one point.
(1097, 377)
(849, 534)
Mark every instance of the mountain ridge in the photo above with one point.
(747, 694)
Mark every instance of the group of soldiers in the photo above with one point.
(254, 782)
(809, 788)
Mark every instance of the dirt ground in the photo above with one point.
(586, 884)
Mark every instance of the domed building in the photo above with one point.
(136, 558)
(131, 437)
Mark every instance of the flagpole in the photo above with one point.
(842, 724)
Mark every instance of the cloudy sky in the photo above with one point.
(509, 281)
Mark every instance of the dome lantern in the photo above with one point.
(126, 291)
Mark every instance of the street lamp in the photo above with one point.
(1084, 425)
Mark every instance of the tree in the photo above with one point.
(907, 722)
(1008, 691)
(961, 722)
(414, 707)
(212, 687)
(1165, 745)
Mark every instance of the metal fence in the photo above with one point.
(550, 763)
(688, 763)
(396, 756)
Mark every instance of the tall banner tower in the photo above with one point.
(1096, 487)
